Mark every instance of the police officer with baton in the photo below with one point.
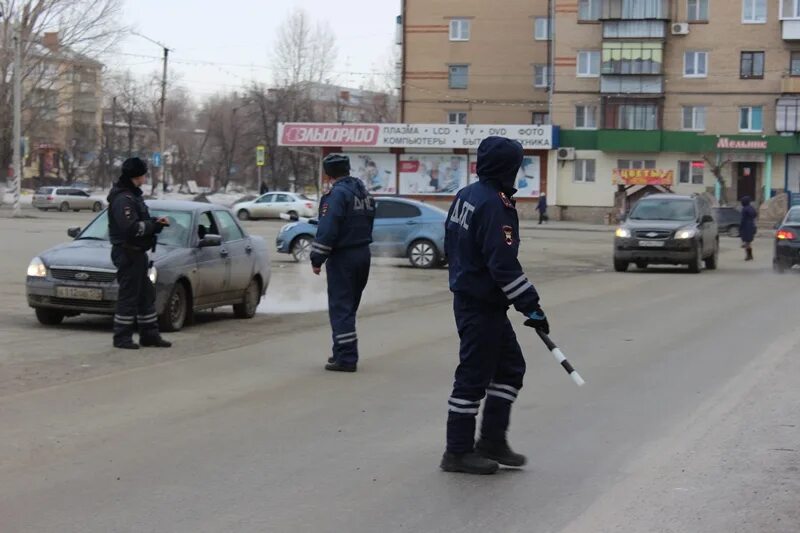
(482, 244)
(132, 232)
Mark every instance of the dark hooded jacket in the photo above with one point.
(482, 232)
(129, 222)
(747, 228)
(346, 218)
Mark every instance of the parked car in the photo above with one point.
(203, 260)
(787, 242)
(403, 228)
(66, 198)
(728, 220)
(274, 204)
(668, 229)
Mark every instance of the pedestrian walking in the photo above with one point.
(344, 233)
(541, 207)
(747, 227)
(482, 243)
(264, 189)
(132, 232)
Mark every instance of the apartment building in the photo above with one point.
(671, 93)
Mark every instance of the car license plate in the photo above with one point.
(79, 293)
(651, 244)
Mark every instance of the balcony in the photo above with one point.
(635, 10)
(632, 58)
(790, 85)
(631, 84)
(791, 29)
(634, 29)
(787, 114)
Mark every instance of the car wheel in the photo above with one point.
(423, 254)
(733, 231)
(697, 260)
(620, 265)
(243, 214)
(301, 248)
(177, 309)
(293, 215)
(49, 317)
(713, 260)
(97, 207)
(249, 305)
(64, 207)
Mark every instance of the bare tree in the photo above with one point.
(304, 51)
(85, 30)
(716, 166)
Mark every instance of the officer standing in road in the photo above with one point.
(346, 216)
(482, 243)
(132, 232)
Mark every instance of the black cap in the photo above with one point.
(336, 165)
(133, 168)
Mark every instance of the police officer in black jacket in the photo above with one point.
(482, 243)
(132, 232)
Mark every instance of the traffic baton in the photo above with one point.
(561, 358)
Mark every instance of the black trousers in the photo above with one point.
(348, 272)
(136, 299)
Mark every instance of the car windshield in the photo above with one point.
(177, 234)
(793, 217)
(664, 209)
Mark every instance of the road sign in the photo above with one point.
(261, 155)
(156, 159)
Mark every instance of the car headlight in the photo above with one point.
(623, 233)
(152, 273)
(688, 233)
(37, 269)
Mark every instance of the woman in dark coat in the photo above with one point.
(747, 229)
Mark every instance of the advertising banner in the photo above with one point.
(642, 176)
(377, 171)
(432, 173)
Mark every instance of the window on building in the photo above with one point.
(588, 63)
(694, 118)
(695, 64)
(459, 29)
(586, 117)
(589, 10)
(457, 117)
(635, 9)
(754, 11)
(636, 164)
(459, 76)
(541, 29)
(697, 10)
(794, 64)
(584, 171)
(751, 118)
(539, 118)
(632, 57)
(541, 76)
(691, 172)
(790, 9)
(752, 65)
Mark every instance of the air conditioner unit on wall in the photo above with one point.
(566, 154)
(680, 28)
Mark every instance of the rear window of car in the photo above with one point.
(391, 209)
(44, 190)
(793, 217)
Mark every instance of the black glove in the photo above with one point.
(538, 321)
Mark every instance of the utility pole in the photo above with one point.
(162, 125)
(17, 120)
(112, 138)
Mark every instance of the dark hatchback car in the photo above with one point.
(728, 220)
(203, 260)
(787, 242)
(667, 229)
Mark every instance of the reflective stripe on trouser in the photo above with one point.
(135, 298)
(491, 365)
(348, 272)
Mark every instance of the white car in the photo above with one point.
(66, 199)
(275, 204)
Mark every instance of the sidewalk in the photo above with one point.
(557, 225)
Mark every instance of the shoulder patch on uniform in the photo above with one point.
(128, 211)
(508, 202)
(508, 233)
(324, 209)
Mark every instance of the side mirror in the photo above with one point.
(74, 232)
(707, 219)
(210, 241)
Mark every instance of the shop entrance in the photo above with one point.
(746, 180)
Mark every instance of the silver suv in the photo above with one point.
(65, 199)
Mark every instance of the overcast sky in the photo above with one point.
(238, 36)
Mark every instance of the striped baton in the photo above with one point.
(559, 355)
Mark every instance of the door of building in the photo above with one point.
(746, 180)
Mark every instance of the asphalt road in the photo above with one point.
(688, 421)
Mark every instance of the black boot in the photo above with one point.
(500, 452)
(468, 463)
(339, 367)
(155, 342)
(749, 254)
(126, 345)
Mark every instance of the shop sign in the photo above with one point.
(642, 176)
(726, 143)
